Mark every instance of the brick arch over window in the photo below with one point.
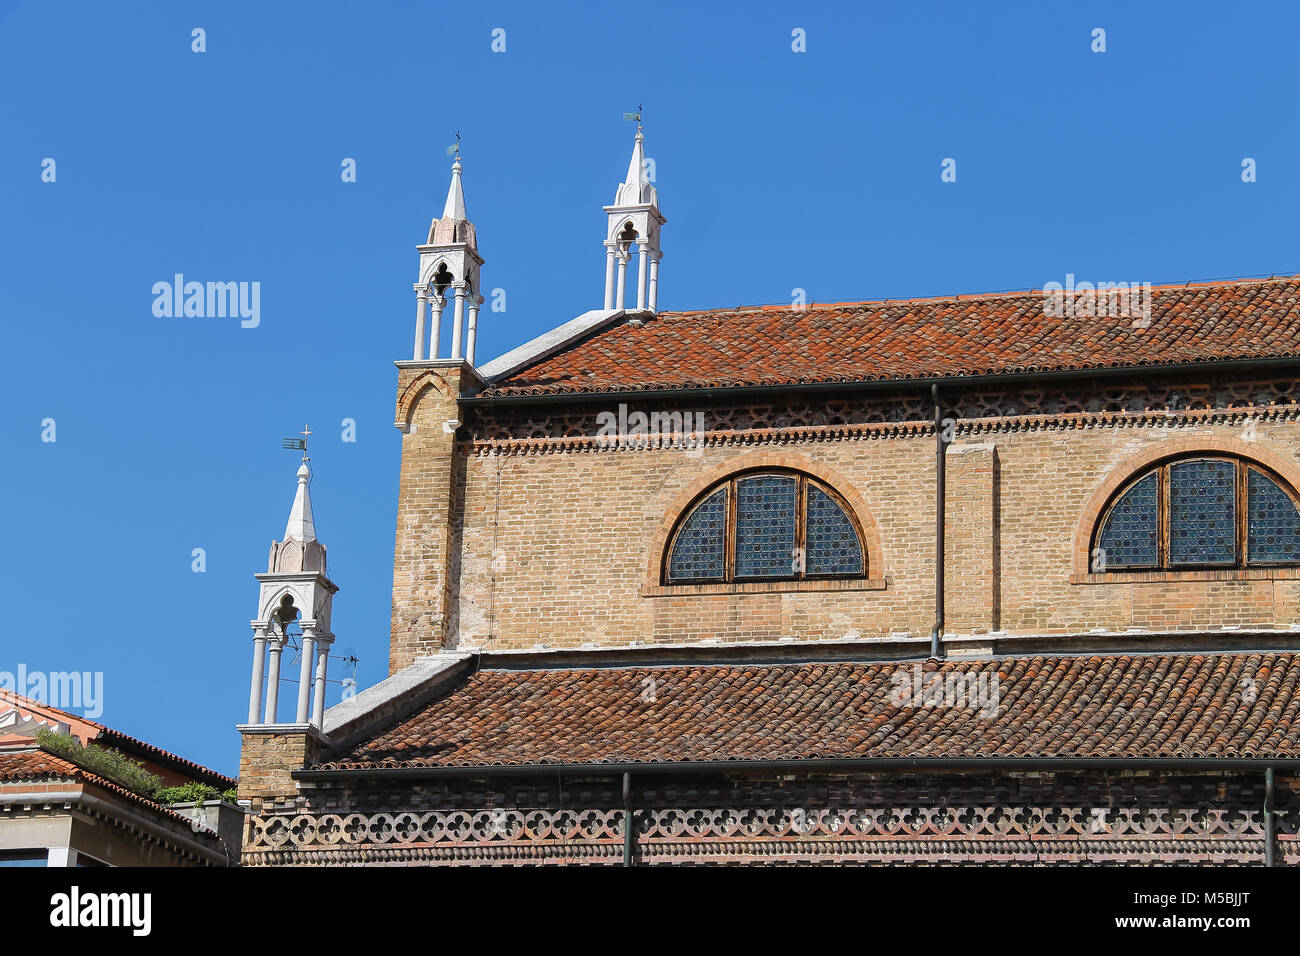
(677, 506)
(410, 396)
(1283, 466)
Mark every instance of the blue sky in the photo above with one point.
(776, 170)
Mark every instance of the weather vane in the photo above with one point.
(454, 148)
(635, 116)
(298, 444)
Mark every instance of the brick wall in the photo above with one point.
(515, 544)
(266, 760)
(427, 413)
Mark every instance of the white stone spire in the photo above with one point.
(301, 526)
(449, 268)
(634, 220)
(454, 208)
(636, 188)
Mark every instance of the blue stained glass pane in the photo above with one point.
(1128, 539)
(1202, 512)
(765, 507)
(698, 549)
(831, 541)
(1274, 522)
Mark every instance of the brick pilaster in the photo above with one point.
(428, 415)
(971, 596)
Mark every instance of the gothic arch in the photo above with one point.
(832, 477)
(1284, 467)
(273, 601)
(426, 276)
(620, 225)
(411, 395)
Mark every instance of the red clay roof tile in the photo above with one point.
(36, 764)
(1157, 705)
(993, 334)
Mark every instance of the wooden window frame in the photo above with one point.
(802, 483)
(1241, 560)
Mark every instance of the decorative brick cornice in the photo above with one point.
(727, 438)
(866, 431)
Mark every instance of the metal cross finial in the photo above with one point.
(298, 444)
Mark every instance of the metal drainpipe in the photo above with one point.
(1268, 818)
(941, 475)
(627, 819)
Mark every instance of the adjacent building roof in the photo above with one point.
(36, 764)
(33, 713)
(974, 335)
(1220, 705)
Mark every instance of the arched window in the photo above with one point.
(768, 525)
(1199, 512)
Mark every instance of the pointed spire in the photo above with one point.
(636, 188)
(636, 168)
(301, 526)
(455, 206)
(453, 225)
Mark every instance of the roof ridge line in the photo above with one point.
(969, 296)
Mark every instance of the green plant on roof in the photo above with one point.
(125, 772)
(194, 793)
(109, 764)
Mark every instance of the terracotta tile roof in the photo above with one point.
(36, 764)
(108, 737)
(1159, 705)
(919, 338)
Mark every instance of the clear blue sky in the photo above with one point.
(776, 170)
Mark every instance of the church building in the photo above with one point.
(1008, 579)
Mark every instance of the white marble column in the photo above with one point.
(474, 303)
(306, 674)
(654, 280)
(421, 312)
(623, 256)
(609, 275)
(273, 681)
(642, 259)
(438, 303)
(322, 667)
(259, 663)
(458, 322)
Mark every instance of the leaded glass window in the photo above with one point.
(1273, 523)
(698, 550)
(766, 526)
(1201, 512)
(1128, 537)
(832, 541)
